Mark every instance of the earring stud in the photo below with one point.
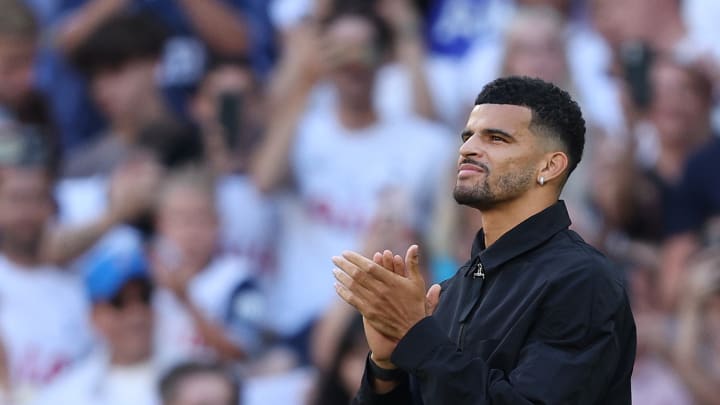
(541, 180)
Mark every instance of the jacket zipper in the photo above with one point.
(479, 273)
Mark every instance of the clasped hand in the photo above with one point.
(388, 291)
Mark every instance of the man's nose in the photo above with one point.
(471, 147)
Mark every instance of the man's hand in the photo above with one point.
(381, 346)
(132, 189)
(389, 302)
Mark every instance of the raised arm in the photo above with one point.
(218, 24)
(288, 97)
(75, 29)
(131, 194)
(406, 25)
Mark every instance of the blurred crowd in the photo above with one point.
(175, 176)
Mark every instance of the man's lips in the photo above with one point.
(467, 169)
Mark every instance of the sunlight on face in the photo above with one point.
(499, 156)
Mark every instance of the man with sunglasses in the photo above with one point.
(122, 371)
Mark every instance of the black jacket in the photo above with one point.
(539, 317)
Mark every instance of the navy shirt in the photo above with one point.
(697, 198)
(539, 317)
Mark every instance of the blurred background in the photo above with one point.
(176, 174)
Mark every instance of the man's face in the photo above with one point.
(25, 206)
(678, 110)
(204, 389)
(16, 69)
(353, 57)
(187, 219)
(536, 49)
(499, 158)
(126, 322)
(120, 93)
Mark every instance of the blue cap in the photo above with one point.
(108, 271)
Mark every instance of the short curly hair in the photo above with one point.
(554, 112)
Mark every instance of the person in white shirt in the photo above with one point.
(123, 370)
(196, 383)
(342, 164)
(209, 305)
(229, 110)
(43, 312)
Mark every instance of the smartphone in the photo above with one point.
(636, 59)
(230, 117)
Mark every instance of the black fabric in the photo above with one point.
(549, 324)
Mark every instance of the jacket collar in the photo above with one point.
(524, 237)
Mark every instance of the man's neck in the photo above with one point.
(22, 259)
(128, 128)
(498, 220)
(356, 117)
(120, 362)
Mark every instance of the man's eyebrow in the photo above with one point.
(467, 133)
(497, 131)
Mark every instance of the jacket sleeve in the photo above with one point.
(366, 396)
(401, 395)
(569, 357)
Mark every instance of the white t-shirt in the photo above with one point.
(225, 293)
(249, 222)
(43, 323)
(340, 176)
(95, 382)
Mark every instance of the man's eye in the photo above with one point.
(496, 138)
(465, 136)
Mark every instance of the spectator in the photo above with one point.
(217, 25)
(18, 36)
(401, 85)
(121, 371)
(120, 59)
(697, 349)
(230, 110)
(339, 383)
(200, 384)
(694, 215)
(19, 100)
(679, 111)
(106, 210)
(654, 380)
(43, 316)
(340, 164)
(208, 304)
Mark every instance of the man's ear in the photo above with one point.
(553, 168)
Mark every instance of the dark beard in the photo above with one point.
(483, 198)
(480, 196)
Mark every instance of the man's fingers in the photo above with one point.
(399, 266)
(358, 260)
(412, 263)
(378, 258)
(372, 280)
(370, 268)
(350, 284)
(432, 298)
(349, 297)
(388, 260)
